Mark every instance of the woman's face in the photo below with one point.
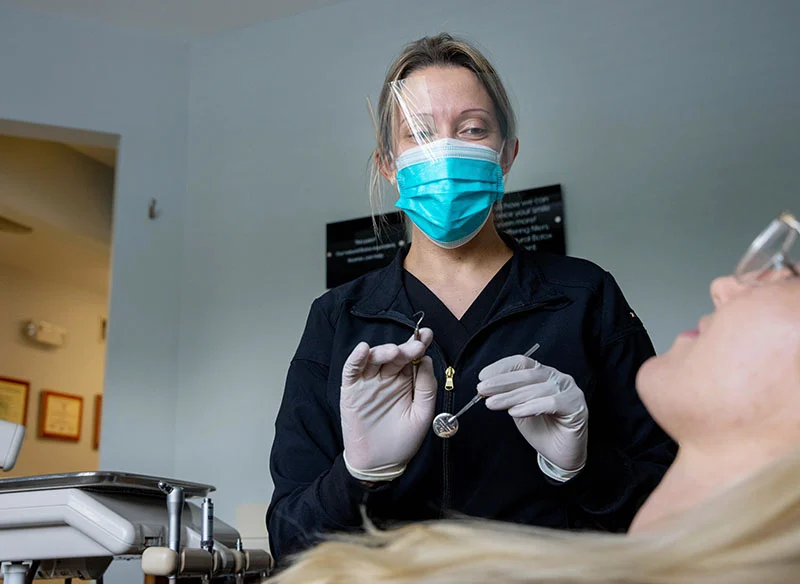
(444, 102)
(738, 373)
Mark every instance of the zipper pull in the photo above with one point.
(448, 383)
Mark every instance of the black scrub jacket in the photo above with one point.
(585, 327)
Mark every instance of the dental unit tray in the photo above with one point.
(102, 482)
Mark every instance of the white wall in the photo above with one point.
(76, 367)
(61, 73)
(672, 125)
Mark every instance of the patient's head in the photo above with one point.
(737, 376)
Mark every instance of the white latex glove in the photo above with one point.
(547, 406)
(384, 416)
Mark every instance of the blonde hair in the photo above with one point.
(750, 534)
(440, 50)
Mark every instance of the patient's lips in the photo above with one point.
(701, 326)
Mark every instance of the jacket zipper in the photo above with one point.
(449, 398)
(448, 382)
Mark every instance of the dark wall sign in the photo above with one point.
(353, 249)
(535, 218)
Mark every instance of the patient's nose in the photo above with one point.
(725, 288)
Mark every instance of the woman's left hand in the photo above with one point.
(548, 407)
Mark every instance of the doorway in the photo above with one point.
(56, 204)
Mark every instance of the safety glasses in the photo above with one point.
(770, 253)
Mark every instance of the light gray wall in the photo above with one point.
(56, 72)
(673, 126)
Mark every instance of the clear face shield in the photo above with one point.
(772, 251)
(428, 110)
(446, 153)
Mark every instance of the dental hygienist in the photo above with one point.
(561, 441)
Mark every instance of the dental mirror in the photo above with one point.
(445, 425)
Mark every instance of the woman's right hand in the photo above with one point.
(385, 414)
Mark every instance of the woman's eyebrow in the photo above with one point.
(475, 109)
(416, 118)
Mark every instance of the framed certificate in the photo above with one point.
(14, 400)
(60, 416)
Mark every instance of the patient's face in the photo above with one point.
(738, 373)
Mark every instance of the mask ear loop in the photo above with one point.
(497, 207)
(506, 158)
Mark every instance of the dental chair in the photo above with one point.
(73, 525)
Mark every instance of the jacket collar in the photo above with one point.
(525, 288)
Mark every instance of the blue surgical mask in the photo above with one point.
(447, 188)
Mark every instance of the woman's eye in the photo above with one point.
(475, 132)
(421, 135)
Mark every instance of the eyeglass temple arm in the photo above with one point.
(785, 263)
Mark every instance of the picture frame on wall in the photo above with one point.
(14, 400)
(98, 412)
(60, 416)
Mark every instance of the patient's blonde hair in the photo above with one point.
(750, 534)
